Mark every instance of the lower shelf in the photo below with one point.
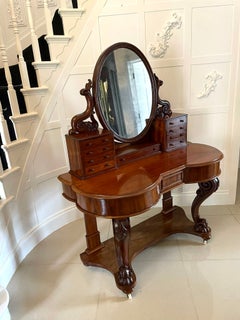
(143, 235)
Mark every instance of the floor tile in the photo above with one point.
(162, 292)
(237, 217)
(65, 245)
(225, 242)
(66, 291)
(215, 288)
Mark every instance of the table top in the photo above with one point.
(137, 186)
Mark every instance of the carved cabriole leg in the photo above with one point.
(125, 277)
(204, 191)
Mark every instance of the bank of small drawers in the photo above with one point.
(174, 132)
(98, 155)
(90, 155)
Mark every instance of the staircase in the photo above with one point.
(27, 90)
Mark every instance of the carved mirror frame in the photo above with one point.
(96, 90)
(159, 108)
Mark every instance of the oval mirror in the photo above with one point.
(123, 87)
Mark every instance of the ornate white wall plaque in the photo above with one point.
(210, 84)
(159, 48)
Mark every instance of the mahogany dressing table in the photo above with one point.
(140, 154)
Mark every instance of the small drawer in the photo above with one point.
(98, 158)
(176, 132)
(180, 122)
(172, 180)
(91, 170)
(173, 144)
(97, 152)
(98, 142)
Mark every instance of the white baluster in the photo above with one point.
(34, 39)
(48, 18)
(11, 92)
(1, 171)
(21, 62)
(3, 128)
(5, 139)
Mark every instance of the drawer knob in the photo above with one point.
(107, 165)
(89, 152)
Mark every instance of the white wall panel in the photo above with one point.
(49, 155)
(120, 3)
(165, 29)
(73, 101)
(117, 28)
(173, 86)
(212, 30)
(210, 85)
(209, 129)
(47, 204)
(22, 219)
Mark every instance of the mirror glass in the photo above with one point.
(124, 92)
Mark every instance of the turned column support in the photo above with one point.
(92, 234)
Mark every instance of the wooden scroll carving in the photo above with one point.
(78, 124)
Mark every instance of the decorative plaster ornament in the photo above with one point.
(210, 84)
(159, 48)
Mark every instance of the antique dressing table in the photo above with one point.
(139, 154)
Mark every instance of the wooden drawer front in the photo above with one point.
(92, 170)
(138, 153)
(95, 158)
(175, 144)
(175, 132)
(94, 152)
(180, 122)
(172, 180)
(91, 144)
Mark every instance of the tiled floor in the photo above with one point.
(178, 279)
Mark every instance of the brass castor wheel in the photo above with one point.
(129, 296)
